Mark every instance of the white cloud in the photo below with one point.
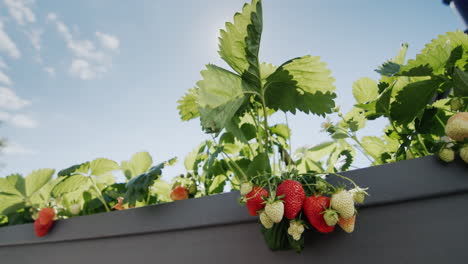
(108, 41)
(23, 121)
(35, 37)
(7, 45)
(90, 61)
(18, 120)
(4, 116)
(82, 69)
(13, 148)
(50, 71)
(4, 78)
(51, 16)
(20, 10)
(9, 100)
(3, 64)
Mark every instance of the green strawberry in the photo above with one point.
(331, 217)
(359, 194)
(464, 153)
(447, 155)
(456, 104)
(343, 202)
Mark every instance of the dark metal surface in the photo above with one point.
(411, 217)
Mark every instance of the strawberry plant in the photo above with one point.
(235, 106)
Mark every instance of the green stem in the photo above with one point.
(290, 141)
(346, 178)
(246, 179)
(100, 196)
(265, 124)
(421, 142)
(362, 149)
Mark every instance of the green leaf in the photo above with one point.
(365, 90)
(187, 105)
(239, 43)
(221, 94)
(460, 83)
(442, 104)
(138, 164)
(266, 69)
(83, 168)
(302, 84)
(37, 179)
(163, 190)
(281, 130)
(354, 120)
(171, 162)
(70, 184)
(455, 55)
(400, 57)
(249, 131)
(412, 100)
(339, 135)
(217, 185)
(374, 146)
(103, 166)
(13, 184)
(389, 69)
(9, 203)
(234, 127)
(138, 187)
(436, 54)
(260, 166)
(429, 122)
(195, 157)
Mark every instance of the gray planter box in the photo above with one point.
(417, 213)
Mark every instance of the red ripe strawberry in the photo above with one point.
(42, 230)
(255, 200)
(179, 193)
(294, 197)
(46, 215)
(44, 222)
(313, 209)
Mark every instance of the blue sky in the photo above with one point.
(86, 79)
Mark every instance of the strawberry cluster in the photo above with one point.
(322, 209)
(457, 130)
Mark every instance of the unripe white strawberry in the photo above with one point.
(343, 203)
(331, 217)
(296, 228)
(464, 153)
(457, 126)
(447, 154)
(75, 209)
(246, 188)
(296, 236)
(275, 210)
(265, 220)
